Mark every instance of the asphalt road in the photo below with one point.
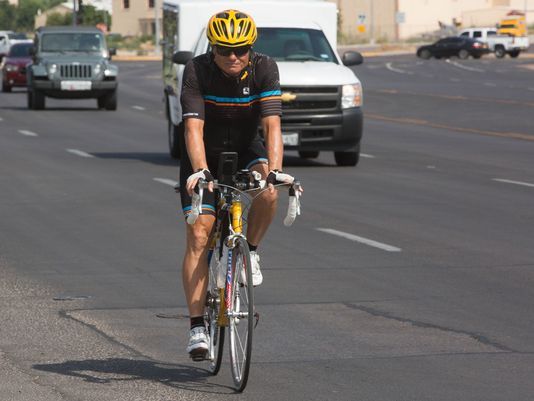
(407, 278)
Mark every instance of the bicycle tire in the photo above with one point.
(213, 305)
(241, 316)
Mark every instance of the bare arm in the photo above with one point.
(194, 143)
(272, 132)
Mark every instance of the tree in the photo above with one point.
(25, 14)
(58, 19)
(7, 15)
(91, 16)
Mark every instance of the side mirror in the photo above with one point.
(352, 58)
(182, 57)
(112, 51)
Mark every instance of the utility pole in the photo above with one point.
(372, 23)
(74, 14)
(156, 28)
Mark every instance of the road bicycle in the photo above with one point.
(230, 296)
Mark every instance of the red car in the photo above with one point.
(14, 66)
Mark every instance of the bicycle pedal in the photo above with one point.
(198, 355)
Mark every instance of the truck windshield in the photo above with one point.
(72, 42)
(294, 44)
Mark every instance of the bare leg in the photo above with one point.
(262, 211)
(195, 265)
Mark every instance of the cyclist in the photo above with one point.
(226, 94)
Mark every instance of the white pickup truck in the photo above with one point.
(321, 95)
(499, 44)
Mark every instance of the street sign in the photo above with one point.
(400, 17)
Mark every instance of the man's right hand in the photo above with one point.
(193, 179)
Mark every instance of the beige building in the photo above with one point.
(40, 19)
(360, 20)
(135, 17)
(386, 20)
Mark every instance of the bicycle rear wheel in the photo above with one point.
(241, 315)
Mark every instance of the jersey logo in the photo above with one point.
(246, 90)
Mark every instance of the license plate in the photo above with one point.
(290, 138)
(76, 85)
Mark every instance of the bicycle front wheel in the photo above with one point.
(241, 314)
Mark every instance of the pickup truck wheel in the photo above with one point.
(309, 154)
(463, 54)
(347, 158)
(499, 51)
(108, 101)
(174, 132)
(514, 53)
(37, 100)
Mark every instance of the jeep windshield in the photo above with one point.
(294, 44)
(72, 42)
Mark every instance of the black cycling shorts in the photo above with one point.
(253, 155)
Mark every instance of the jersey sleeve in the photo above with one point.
(270, 93)
(191, 98)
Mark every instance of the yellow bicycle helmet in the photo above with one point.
(231, 28)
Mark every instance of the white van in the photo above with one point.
(321, 95)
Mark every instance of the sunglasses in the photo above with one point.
(226, 51)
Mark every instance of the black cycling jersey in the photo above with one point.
(231, 107)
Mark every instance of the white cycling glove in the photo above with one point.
(200, 174)
(278, 177)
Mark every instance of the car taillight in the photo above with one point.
(477, 45)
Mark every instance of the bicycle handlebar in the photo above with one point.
(293, 209)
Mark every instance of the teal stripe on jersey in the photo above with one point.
(237, 100)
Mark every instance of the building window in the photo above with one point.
(151, 3)
(125, 3)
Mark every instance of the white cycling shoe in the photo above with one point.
(198, 343)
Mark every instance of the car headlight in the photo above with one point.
(351, 96)
(52, 69)
(11, 67)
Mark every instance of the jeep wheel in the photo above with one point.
(309, 154)
(5, 87)
(108, 101)
(347, 158)
(174, 132)
(29, 98)
(37, 99)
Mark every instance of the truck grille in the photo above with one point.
(316, 99)
(75, 70)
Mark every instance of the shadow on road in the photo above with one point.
(105, 371)
(160, 159)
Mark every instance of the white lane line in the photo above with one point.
(525, 184)
(455, 80)
(531, 89)
(166, 181)
(1, 119)
(390, 67)
(456, 64)
(362, 240)
(138, 108)
(80, 153)
(27, 133)
(490, 84)
(367, 156)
